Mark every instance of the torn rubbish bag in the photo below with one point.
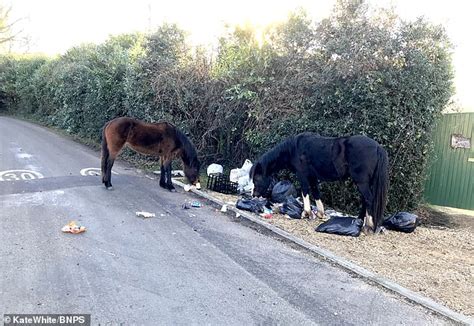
(292, 207)
(241, 177)
(255, 205)
(282, 190)
(401, 221)
(342, 225)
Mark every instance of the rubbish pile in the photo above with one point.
(238, 180)
(284, 201)
(350, 225)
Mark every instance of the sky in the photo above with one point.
(54, 26)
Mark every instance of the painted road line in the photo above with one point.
(17, 175)
(93, 171)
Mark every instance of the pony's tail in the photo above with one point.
(380, 187)
(105, 154)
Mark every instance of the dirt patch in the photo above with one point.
(437, 260)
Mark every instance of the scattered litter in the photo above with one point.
(255, 205)
(267, 210)
(224, 208)
(214, 169)
(145, 214)
(196, 204)
(267, 215)
(174, 173)
(72, 227)
(177, 173)
(401, 221)
(342, 225)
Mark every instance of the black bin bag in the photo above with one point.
(282, 190)
(291, 207)
(342, 225)
(255, 205)
(401, 221)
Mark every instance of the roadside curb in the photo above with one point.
(386, 283)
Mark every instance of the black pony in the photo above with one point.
(314, 158)
(160, 139)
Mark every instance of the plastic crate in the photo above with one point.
(222, 184)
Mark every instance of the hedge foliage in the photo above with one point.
(360, 71)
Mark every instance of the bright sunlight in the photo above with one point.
(53, 26)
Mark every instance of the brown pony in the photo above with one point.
(160, 139)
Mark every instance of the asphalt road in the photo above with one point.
(182, 267)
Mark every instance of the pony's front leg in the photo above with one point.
(305, 193)
(169, 183)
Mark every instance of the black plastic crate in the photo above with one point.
(222, 184)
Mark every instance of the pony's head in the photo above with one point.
(191, 171)
(190, 159)
(261, 181)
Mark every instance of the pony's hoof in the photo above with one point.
(322, 216)
(172, 189)
(109, 187)
(305, 214)
(366, 230)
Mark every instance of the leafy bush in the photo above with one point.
(359, 71)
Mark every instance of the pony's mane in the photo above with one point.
(189, 154)
(278, 157)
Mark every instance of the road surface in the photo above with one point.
(182, 267)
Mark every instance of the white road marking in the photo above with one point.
(17, 175)
(24, 155)
(93, 171)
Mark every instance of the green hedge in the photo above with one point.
(359, 71)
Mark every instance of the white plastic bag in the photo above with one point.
(241, 177)
(235, 174)
(214, 169)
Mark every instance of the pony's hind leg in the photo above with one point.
(363, 209)
(108, 173)
(114, 150)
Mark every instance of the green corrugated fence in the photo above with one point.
(451, 174)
